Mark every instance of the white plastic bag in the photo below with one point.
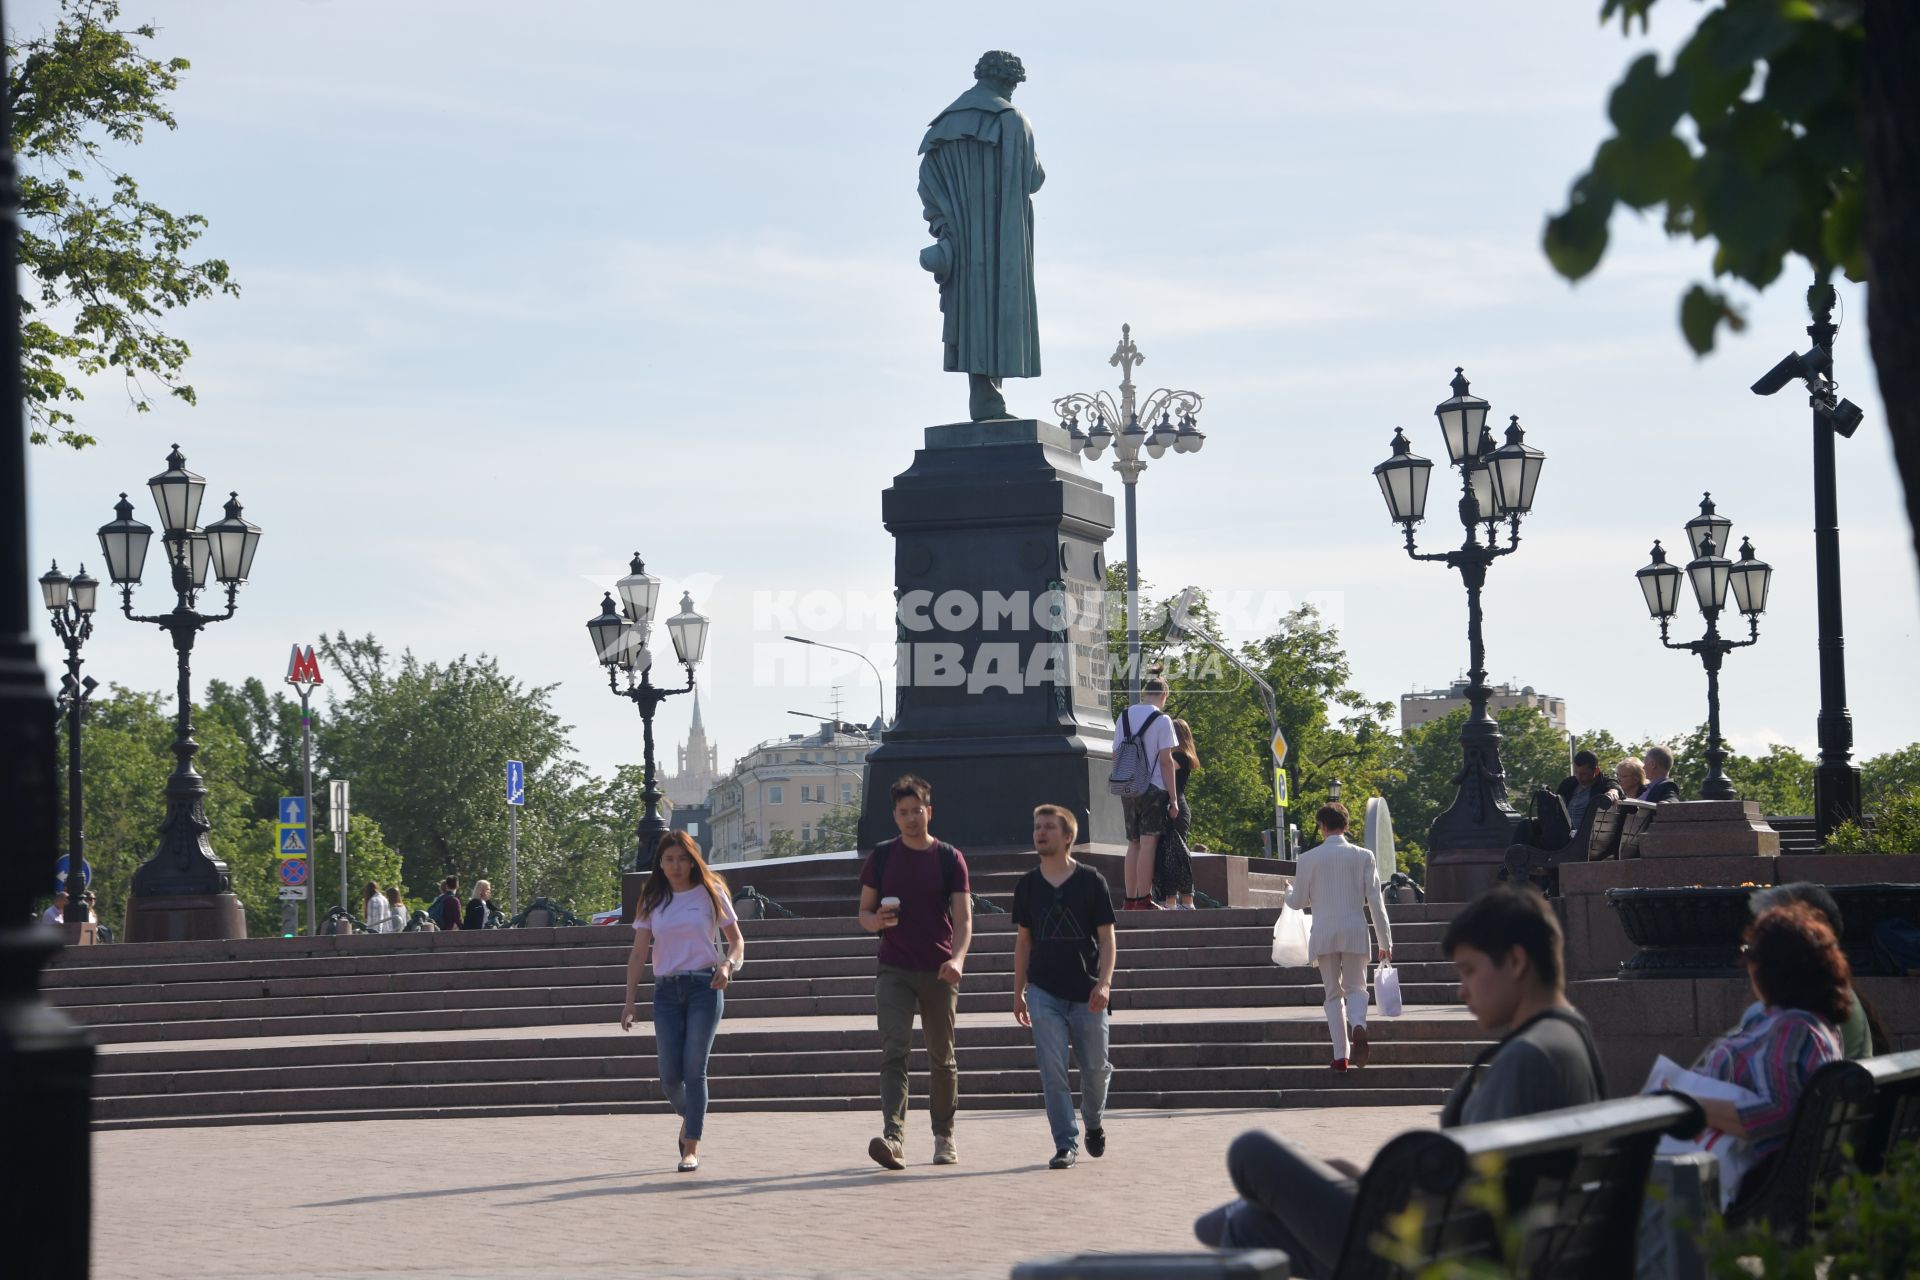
(1386, 991)
(1290, 939)
(1734, 1155)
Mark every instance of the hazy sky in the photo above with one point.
(528, 287)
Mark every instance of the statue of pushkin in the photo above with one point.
(978, 174)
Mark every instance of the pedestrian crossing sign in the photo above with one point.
(293, 841)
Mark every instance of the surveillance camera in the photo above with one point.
(1779, 376)
(1812, 364)
(1844, 417)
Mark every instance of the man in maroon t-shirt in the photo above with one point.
(913, 893)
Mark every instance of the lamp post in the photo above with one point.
(70, 602)
(620, 634)
(880, 725)
(1836, 779)
(183, 890)
(46, 1060)
(1172, 414)
(1711, 575)
(1496, 484)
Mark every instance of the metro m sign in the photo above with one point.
(303, 667)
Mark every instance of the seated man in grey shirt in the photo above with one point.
(1507, 946)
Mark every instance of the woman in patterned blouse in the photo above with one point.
(1801, 977)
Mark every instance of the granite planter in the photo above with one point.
(1692, 931)
(1695, 931)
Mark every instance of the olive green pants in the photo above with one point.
(901, 993)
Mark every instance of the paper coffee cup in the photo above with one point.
(889, 902)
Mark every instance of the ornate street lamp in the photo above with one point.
(1836, 779)
(620, 634)
(1711, 575)
(70, 603)
(1172, 415)
(183, 890)
(1497, 485)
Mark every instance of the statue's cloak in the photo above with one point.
(977, 176)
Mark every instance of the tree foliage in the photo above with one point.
(103, 264)
(1748, 139)
(426, 745)
(1332, 730)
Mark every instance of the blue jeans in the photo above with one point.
(1057, 1024)
(686, 1014)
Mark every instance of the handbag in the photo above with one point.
(1386, 991)
(1290, 935)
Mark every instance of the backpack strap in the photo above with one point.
(949, 870)
(1130, 731)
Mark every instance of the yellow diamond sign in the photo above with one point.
(1279, 747)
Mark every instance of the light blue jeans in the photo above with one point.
(1057, 1025)
(686, 1015)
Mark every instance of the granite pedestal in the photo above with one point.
(1002, 660)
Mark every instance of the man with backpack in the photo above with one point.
(445, 911)
(914, 894)
(1143, 746)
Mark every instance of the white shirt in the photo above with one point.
(397, 920)
(1157, 737)
(52, 916)
(1338, 880)
(379, 912)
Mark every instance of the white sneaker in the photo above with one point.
(944, 1151)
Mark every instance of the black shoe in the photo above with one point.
(1062, 1159)
(1096, 1143)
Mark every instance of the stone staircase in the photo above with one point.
(524, 1021)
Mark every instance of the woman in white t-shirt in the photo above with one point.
(376, 911)
(685, 919)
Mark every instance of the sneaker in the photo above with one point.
(1062, 1159)
(1096, 1143)
(886, 1153)
(1361, 1049)
(1339, 1064)
(944, 1151)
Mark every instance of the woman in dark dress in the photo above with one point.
(1172, 863)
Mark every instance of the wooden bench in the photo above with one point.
(1572, 1183)
(1850, 1116)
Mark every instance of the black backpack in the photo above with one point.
(1546, 826)
(949, 869)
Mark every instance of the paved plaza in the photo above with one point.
(778, 1195)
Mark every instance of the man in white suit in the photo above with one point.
(1338, 879)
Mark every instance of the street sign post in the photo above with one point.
(303, 673)
(60, 866)
(339, 818)
(516, 797)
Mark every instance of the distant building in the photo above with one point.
(1419, 708)
(698, 768)
(694, 819)
(786, 784)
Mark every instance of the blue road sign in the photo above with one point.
(293, 811)
(60, 874)
(516, 783)
(293, 871)
(293, 842)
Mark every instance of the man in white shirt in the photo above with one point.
(1147, 815)
(57, 913)
(1337, 878)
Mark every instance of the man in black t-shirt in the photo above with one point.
(1063, 979)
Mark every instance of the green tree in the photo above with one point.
(1533, 753)
(102, 269)
(1887, 775)
(425, 745)
(1780, 782)
(1783, 128)
(1332, 730)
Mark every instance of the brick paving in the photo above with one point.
(779, 1195)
